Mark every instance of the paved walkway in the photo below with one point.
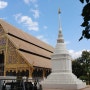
(87, 88)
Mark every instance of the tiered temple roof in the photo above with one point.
(34, 51)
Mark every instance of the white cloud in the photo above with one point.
(36, 5)
(17, 16)
(36, 13)
(41, 37)
(3, 4)
(3, 18)
(45, 27)
(67, 42)
(27, 21)
(28, 1)
(75, 54)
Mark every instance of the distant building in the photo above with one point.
(22, 54)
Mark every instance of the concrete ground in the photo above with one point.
(87, 88)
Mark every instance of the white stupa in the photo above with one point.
(62, 76)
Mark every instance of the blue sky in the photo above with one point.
(40, 19)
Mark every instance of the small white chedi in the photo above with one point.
(62, 76)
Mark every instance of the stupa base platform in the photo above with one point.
(63, 81)
(63, 86)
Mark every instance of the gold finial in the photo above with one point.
(59, 11)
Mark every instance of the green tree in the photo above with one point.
(77, 68)
(86, 17)
(81, 66)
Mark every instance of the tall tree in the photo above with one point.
(85, 60)
(77, 68)
(86, 17)
(81, 66)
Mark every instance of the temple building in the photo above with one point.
(23, 54)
